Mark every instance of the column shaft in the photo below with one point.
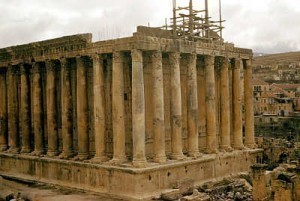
(3, 111)
(99, 109)
(138, 109)
(67, 111)
(158, 108)
(13, 110)
(38, 125)
(52, 123)
(225, 108)
(249, 113)
(192, 106)
(176, 110)
(210, 104)
(82, 110)
(237, 109)
(118, 109)
(202, 105)
(25, 110)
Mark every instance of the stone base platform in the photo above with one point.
(127, 182)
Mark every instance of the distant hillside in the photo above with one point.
(283, 58)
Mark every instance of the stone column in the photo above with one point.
(158, 108)
(51, 110)
(13, 110)
(118, 109)
(66, 110)
(3, 111)
(176, 111)
(38, 124)
(138, 109)
(225, 108)
(99, 109)
(201, 105)
(249, 113)
(25, 110)
(82, 110)
(237, 107)
(192, 106)
(210, 104)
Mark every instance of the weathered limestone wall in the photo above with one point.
(115, 181)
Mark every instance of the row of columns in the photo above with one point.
(118, 110)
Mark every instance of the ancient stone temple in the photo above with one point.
(128, 117)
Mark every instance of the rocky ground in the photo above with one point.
(23, 191)
(235, 189)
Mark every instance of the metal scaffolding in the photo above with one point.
(188, 23)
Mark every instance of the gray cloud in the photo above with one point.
(266, 26)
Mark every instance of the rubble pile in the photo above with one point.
(236, 190)
(226, 190)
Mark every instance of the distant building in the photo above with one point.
(273, 99)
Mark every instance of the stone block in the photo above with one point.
(186, 186)
(171, 194)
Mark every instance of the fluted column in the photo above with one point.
(237, 107)
(13, 110)
(225, 108)
(51, 110)
(210, 104)
(3, 111)
(249, 113)
(192, 106)
(176, 110)
(158, 108)
(38, 125)
(138, 109)
(25, 110)
(99, 109)
(82, 110)
(118, 109)
(66, 110)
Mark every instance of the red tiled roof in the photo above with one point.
(256, 81)
(268, 95)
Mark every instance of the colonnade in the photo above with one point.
(28, 116)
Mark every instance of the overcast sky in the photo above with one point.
(267, 26)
